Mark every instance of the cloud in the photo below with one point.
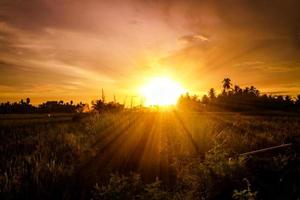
(251, 64)
(192, 39)
(279, 92)
(111, 43)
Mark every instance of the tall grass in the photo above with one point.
(150, 155)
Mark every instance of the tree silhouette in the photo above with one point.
(246, 91)
(226, 84)
(253, 91)
(23, 107)
(27, 100)
(298, 100)
(288, 101)
(205, 100)
(212, 93)
(241, 99)
(233, 99)
(237, 89)
(98, 105)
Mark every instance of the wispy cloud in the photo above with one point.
(80, 46)
(192, 39)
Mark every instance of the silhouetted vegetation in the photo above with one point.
(23, 107)
(231, 98)
(100, 106)
(235, 98)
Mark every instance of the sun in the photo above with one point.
(161, 91)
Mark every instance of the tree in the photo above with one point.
(288, 100)
(99, 105)
(205, 99)
(27, 100)
(253, 91)
(237, 89)
(194, 98)
(298, 100)
(280, 99)
(212, 93)
(226, 84)
(246, 90)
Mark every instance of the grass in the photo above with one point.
(149, 155)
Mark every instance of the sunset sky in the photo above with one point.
(70, 49)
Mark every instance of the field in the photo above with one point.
(149, 155)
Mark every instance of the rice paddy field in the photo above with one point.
(149, 155)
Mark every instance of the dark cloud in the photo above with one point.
(277, 17)
(35, 15)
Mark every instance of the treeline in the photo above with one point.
(23, 107)
(232, 98)
(235, 98)
(102, 106)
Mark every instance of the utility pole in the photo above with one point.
(132, 101)
(124, 103)
(103, 96)
(142, 101)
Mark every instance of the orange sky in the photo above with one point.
(70, 49)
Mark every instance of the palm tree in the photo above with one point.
(237, 89)
(226, 84)
(298, 100)
(246, 90)
(254, 91)
(27, 100)
(212, 93)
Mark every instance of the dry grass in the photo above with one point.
(177, 156)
